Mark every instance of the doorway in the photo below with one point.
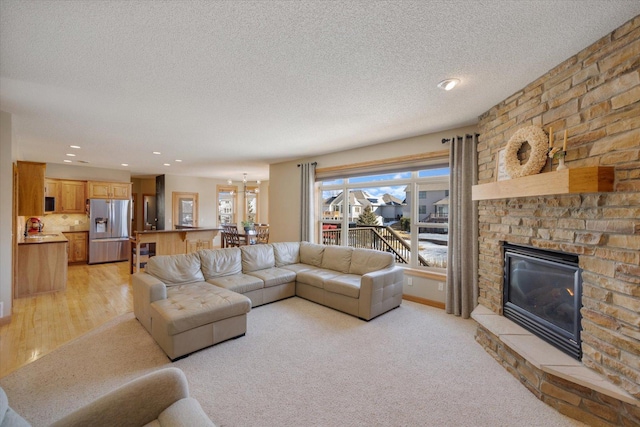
(185, 209)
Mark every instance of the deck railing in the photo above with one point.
(380, 238)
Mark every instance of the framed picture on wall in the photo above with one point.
(501, 171)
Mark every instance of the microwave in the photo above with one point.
(49, 204)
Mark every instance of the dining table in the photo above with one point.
(243, 236)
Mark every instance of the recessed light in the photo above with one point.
(448, 84)
(157, 152)
(70, 155)
(124, 164)
(178, 160)
(77, 147)
(67, 161)
(167, 164)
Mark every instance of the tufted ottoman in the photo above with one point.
(196, 316)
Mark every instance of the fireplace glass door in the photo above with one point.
(542, 293)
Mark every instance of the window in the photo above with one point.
(227, 204)
(405, 213)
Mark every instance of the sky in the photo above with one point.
(396, 190)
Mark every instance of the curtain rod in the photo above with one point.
(445, 140)
(314, 164)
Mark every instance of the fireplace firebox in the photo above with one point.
(543, 294)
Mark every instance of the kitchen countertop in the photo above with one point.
(181, 230)
(37, 238)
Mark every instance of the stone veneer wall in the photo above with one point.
(595, 95)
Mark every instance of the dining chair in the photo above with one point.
(231, 237)
(262, 233)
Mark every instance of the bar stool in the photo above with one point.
(147, 250)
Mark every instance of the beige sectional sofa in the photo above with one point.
(157, 399)
(188, 302)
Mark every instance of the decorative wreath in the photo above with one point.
(538, 141)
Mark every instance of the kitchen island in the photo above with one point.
(172, 242)
(42, 264)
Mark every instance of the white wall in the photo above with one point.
(425, 288)
(7, 153)
(284, 178)
(86, 173)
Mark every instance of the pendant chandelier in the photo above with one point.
(244, 190)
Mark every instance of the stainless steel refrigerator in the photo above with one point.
(109, 230)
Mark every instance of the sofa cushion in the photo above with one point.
(274, 276)
(311, 253)
(345, 284)
(175, 269)
(257, 257)
(337, 258)
(316, 276)
(286, 253)
(241, 283)
(365, 261)
(184, 412)
(297, 268)
(220, 262)
(191, 306)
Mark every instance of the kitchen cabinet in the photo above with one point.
(30, 186)
(109, 190)
(77, 246)
(51, 187)
(41, 266)
(70, 196)
(196, 245)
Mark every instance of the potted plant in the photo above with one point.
(248, 225)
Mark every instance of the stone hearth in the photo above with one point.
(595, 95)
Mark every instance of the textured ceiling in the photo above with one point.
(229, 87)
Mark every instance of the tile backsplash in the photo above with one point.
(66, 222)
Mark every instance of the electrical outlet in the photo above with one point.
(441, 286)
(1, 309)
(410, 281)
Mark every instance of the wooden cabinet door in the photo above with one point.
(192, 246)
(77, 246)
(51, 188)
(30, 184)
(72, 197)
(99, 190)
(196, 245)
(109, 190)
(80, 247)
(121, 190)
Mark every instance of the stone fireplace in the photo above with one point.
(543, 294)
(595, 95)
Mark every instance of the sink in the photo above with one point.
(41, 235)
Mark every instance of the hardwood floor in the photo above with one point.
(40, 324)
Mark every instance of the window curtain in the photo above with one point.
(462, 263)
(307, 205)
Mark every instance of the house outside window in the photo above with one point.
(381, 215)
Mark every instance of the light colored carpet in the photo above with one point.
(301, 364)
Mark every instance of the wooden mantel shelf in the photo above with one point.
(592, 179)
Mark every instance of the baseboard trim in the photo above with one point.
(424, 301)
